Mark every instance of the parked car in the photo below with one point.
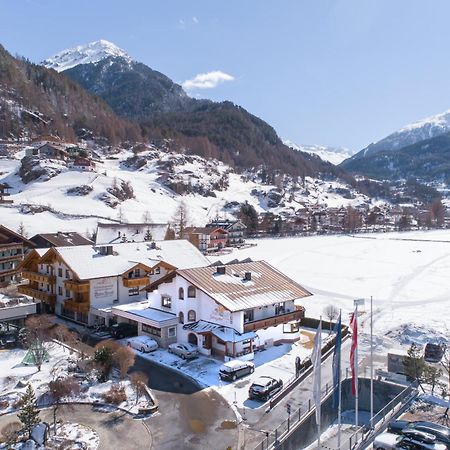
(434, 352)
(232, 370)
(415, 440)
(185, 351)
(441, 432)
(264, 387)
(121, 330)
(143, 343)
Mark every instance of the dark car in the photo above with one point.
(434, 352)
(232, 370)
(441, 432)
(121, 330)
(264, 387)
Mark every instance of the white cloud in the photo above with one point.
(207, 80)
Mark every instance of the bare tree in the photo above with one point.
(125, 357)
(10, 433)
(146, 218)
(331, 312)
(38, 337)
(121, 216)
(180, 219)
(138, 381)
(63, 334)
(60, 390)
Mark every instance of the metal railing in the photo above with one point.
(359, 436)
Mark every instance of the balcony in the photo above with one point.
(38, 277)
(135, 282)
(75, 306)
(77, 286)
(46, 297)
(274, 320)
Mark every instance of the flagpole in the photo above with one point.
(340, 393)
(371, 362)
(319, 414)
(356, 367)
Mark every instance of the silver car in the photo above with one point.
(185, 351)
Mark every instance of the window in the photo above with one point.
(67, 293)
(181, 294)
(60, 272)
(166, 301)
(133, 291)
(191, 291)
(191, 316)
(181, 317)
(67, 274)
(151, 330)
(59, 290)
(157, 270)
(172, 332)
(48, 268)
(279, 308)
(248, 315)
(137, 273)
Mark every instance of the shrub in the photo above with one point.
(4, 404)
(115, 395)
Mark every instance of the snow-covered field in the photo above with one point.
(408, 275)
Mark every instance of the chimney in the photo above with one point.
(247, 276)
(220, 270)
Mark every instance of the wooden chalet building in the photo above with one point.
(83, 283)
(60, 239)
(207, 238)
(13, 247)
(4, 188)
(228, 310)
(234, 228)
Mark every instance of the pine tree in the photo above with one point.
(29, 414)
(414, 363)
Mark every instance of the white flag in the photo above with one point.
(316, 362)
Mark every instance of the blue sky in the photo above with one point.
(342, 72)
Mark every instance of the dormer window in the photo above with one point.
(191, 291)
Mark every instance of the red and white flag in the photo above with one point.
(353, 363)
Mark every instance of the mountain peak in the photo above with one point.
(84, 54)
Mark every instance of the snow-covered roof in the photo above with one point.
(142, 309)
(233, 290)
(115, 233)
(88, 262)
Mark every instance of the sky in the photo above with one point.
(331, 72)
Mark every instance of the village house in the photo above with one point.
(234, 228)
(60, 239)
(114, 233)
(83, 283)
(51, 150)
(82, 164)
(4, 188)
(228, 310)
(13, 247)
(207, 238)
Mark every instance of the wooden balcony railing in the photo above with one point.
(274, 320)
(75, 306)
(39, 277)
(46, 297)
(135, 282)
(77, 286)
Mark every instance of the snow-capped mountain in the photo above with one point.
(84, 54)
(427, 128)
(334, 155)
